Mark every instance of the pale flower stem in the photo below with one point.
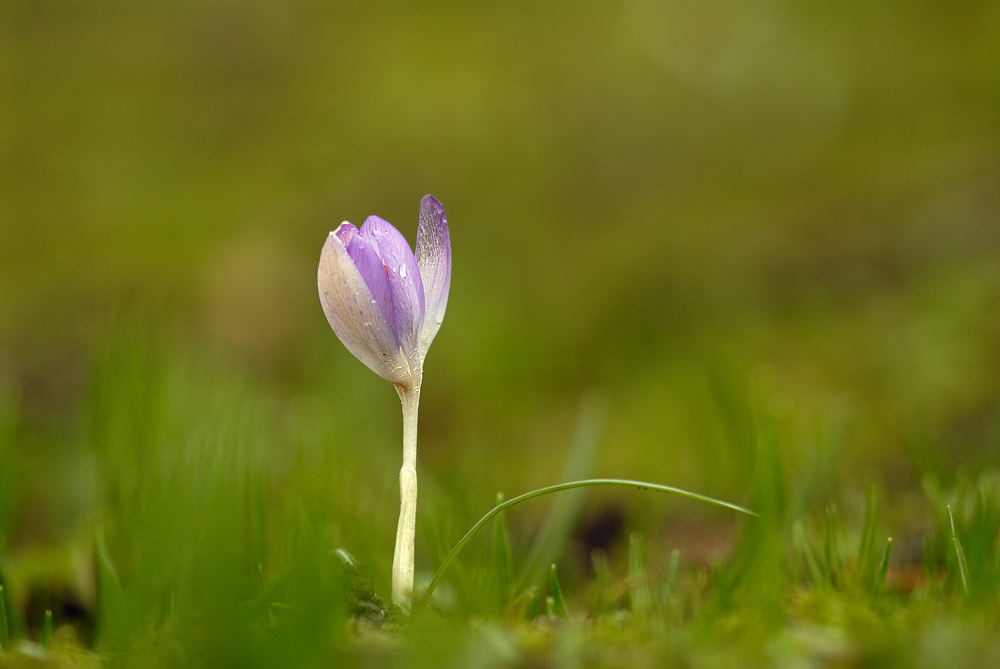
(402, 560)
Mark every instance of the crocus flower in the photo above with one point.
(386, 305)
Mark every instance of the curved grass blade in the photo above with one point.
(638, 485)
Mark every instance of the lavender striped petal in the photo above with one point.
(434, 260)
(355, 318)
(404, 283)
(363, 252)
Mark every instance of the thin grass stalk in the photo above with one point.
(638, 577)
(670, 577)
(558, 601)
(639, 485)
(502, 566)
(3, 620)
(47, 629)
(883, 569)
(963, 569)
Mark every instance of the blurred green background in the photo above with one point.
(676, 215)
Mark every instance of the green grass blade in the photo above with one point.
(831, 553)
(883, 569)
(962, 568)
(502, 567)
(801, 539)
(113, 620)
(47, 628)
(559, 603)
(531, 611)
(602, 582)
(638, 577)
(3, 620)
(638, 485)
(980, 541)
(670, 577)
(867, 548)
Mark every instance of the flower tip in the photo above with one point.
(343, 233)
(431, 201)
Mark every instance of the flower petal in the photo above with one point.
(354, 316)
(407, 291)
(434, 261)
(345, 232)
(365, 257)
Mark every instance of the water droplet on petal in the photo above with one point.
(402, 271)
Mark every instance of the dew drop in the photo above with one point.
(402, 271)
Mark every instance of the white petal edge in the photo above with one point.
(356, 320)
(433, 255)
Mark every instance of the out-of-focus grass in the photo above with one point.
(215, 509)
(769, 236)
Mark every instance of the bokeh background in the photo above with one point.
(668, 219)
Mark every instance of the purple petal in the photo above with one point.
(355, 317)
(404, 282)
(365, 256)
(345, 232)
(434, 260)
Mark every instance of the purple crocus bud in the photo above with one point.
(383, 303)
(386, 305)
